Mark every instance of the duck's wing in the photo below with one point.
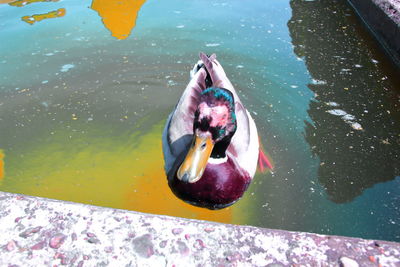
(178, 129)
(244, 145)
(245, 142)
(182, 118)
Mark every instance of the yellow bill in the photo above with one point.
(194, 164)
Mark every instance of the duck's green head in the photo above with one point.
(216, 114)
(213, 127)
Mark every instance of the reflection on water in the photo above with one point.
(98, 170)
(355, 114)
(31, 19)
(49, 15)
(118, 16)
(20, 3)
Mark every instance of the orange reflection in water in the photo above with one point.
(125, 172)
(6, 1)
(21, 3)
(38, 17)
(153, 195)
(1, 164)
(118, 16)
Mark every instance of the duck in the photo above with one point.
(210, 141)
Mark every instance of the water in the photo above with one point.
(85, 90)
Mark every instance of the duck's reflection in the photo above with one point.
(119, 17)
(355, 114)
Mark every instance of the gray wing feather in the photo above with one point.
(179, 126)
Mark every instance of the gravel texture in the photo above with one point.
(44, 232)
(391, 8)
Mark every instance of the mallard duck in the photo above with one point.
(210, 141)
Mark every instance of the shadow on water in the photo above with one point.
(355, 114)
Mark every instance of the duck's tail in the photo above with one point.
(204, 59)
(263, 161)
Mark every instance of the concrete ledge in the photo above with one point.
(382, 17)
(44, 232)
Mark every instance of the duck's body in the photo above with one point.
(210, 141)
(221, 185)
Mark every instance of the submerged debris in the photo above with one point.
(346, 117)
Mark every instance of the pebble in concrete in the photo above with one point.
(347, 262)
(57, 240)
(43, 232)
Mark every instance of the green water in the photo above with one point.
(81, 112)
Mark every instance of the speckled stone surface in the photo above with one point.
(391, 8)
(44, 232)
